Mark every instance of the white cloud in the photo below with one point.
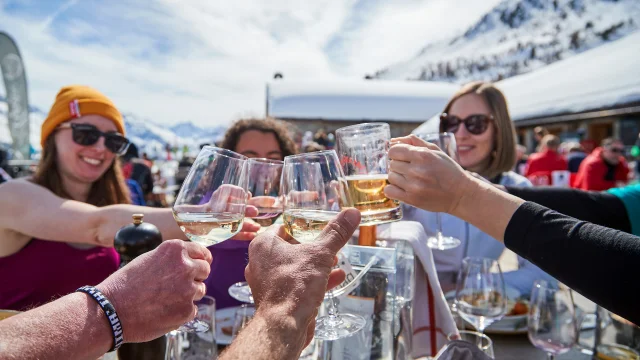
(173, 61)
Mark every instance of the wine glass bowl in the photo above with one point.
(314, 191)
(264, 187)
(211, 203)
(362, 150)
(551, 321)
(481, 297)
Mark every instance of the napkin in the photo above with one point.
(432, 319)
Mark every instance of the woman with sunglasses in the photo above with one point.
(594, 260)
(57, 228)
(478, 117)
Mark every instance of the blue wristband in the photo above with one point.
(109, 312)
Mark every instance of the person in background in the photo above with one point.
(135, 169)
(254, 138)
(146, 160)
(575, 156)
(57, 227)
(321, 138)
(521, 159)
(547, 160)
(313, 146)
(538, 133)
(604, 168)
(479, 118)
(4, 176)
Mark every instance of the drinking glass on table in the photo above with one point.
(211, 203)
(483, 342)
(362, 150)
(264, 186)
(447, 143)
(481, 297)
(196, 346)
(552, 322)
(314, 190)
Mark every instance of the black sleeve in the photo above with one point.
(596, 261)
(600, 208)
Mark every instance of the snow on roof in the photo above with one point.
(357, 100)
(603, 77)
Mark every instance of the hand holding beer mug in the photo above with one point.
(362, 150)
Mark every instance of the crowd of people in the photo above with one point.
(57, 228)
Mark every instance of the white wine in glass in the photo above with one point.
(211, 203)
(314, 191)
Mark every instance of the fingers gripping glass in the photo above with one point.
(314, 190)
(476, 124)
(210, 206)
(447, 143)
(87, 135)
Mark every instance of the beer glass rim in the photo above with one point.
(223, 152)
(207, 300)
(363, 127)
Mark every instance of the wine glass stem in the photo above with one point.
(550, 356)
(439, 225)
(333, 306)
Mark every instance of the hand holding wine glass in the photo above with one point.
(211, 204)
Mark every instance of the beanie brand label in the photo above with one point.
(74, 109)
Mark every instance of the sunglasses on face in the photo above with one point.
(616, 150)
(87, 135)
(476, 124)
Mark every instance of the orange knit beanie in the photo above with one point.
(75, 101)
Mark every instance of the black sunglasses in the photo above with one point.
(476, 124)
(87, 135)
(616, 150)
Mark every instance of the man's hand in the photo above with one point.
(288, 280)
(154, 293)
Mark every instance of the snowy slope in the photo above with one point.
(519, 36)
(602, 77)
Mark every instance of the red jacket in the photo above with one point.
(592, 172)
(545, 162)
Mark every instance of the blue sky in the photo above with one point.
(208, 61)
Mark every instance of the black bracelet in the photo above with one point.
(109, 312)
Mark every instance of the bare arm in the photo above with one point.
(34, 211)
(55, 330)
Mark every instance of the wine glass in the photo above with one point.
(362, 150)
(447, 143)
(210, 206)
(314, 190)
(552, 322)
(264, 186)
(481, 298)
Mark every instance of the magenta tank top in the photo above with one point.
(45, 270)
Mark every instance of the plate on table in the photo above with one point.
(224, 325)
(513, 323)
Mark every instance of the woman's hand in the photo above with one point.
(420, 174)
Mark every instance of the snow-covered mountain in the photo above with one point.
(149, 136)
(518, 36)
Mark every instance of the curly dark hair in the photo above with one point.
(268, 125)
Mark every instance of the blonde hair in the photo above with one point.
(503, 156)
(551, 142)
